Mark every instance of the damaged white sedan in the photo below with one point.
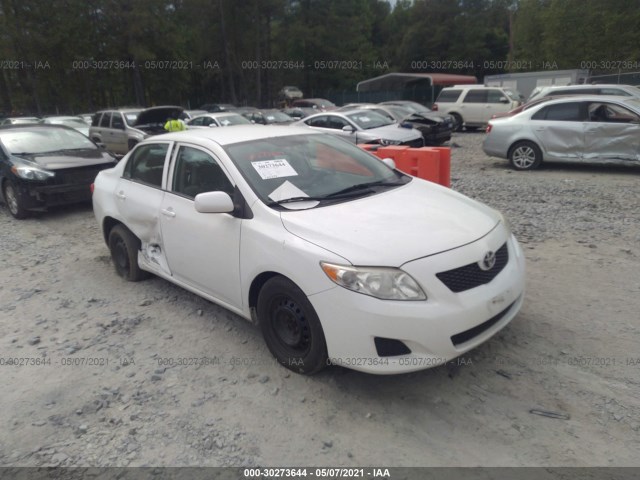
(338, 257)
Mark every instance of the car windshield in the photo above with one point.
(276, 117)
(45, 140)
(400, 112)
(69, 122)
(233, 120)
(323, 168)
(367, 120)
(131, 117)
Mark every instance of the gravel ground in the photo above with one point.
(109, 398)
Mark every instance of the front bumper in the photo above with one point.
(435, 331)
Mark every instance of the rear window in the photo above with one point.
(448, 96)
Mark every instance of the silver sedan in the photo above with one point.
(363, 126)
(575, 129)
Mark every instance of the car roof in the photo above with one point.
(233, 134)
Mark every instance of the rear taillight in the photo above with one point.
(434, 107)
(92, 187)
(489, 128)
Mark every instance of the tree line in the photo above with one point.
(80, 55)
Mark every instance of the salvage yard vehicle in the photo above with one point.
(363, 126)
(471, 106)
(221, 119)
(46, 165)
(120, 130)
(337, 256)
(574, 129)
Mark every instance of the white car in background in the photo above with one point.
(222, 119)
(337, 256)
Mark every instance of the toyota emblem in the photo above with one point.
(488, 261)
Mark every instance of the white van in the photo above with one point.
(472, 106)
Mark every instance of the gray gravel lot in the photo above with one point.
(110, 395)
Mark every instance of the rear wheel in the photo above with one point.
(124, 247)
(14, 201)
(290, 326)
(525, 156)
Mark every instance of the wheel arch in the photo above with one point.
(254, 291)
(107, 225)
(528, 140)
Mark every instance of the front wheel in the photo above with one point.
(124, 247)
(14, 201)
(525, 156)
(290, 327)
(457, 122)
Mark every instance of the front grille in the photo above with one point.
(467, 335)
(79, 176)
(471, 276)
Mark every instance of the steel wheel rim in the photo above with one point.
(12, 200)
(524, 157)
(120, 256)
(289, 325)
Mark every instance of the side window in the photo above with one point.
(475, 96)
(448, 96)
(494, 96)
(116, 121)
(106, 120)
(146, 164)
(318, 122)
(575, 91)
(564, 112)
(614, 91)
(196, 121)
(197, 172)
(611, 113)
(95, 120)
(206, 121)
(335, 122)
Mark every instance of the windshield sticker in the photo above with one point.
(277, 168)
(364, 119)
(286, 190)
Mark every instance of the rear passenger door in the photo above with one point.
(118, 134)
(559, 129)
(139, 195)
(474, 106)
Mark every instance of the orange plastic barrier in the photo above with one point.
(429, 163)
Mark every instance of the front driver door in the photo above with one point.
(202, 249)
(612, 133)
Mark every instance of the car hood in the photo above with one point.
(69, 159)
(158, 115)
(391, 132)
(425, 117)
(396, 226)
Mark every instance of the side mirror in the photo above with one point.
(348, 128)
(213, 202)
(213, 125)
(504, 100)
(389, 162)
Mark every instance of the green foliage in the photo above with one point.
(81, 55)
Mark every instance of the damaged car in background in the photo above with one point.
(571, 129)
(47, 165)
(292, 229)
(120, 130)
(435, 129)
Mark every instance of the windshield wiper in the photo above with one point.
(364, 187)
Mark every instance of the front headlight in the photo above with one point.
(385, 141)
(383, 283)
(32, 173)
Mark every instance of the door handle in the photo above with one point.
(168, 213)
(121, 195)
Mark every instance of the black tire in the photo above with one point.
(525, 156)
(290, 327)
(457, 122)
(14, 201)
(124, 247)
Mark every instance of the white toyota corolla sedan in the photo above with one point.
(337, 256)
